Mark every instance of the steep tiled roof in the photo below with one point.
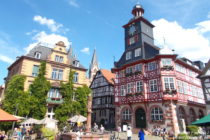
(45, 51)
(108, 75)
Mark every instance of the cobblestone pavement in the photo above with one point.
(123, 136)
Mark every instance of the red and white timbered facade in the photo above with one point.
(153, 87)
(164, 88)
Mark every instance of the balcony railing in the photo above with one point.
(54, 100)
(167, 68)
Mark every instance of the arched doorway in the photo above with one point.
(140, 118)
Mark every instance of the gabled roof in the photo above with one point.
(108, 75)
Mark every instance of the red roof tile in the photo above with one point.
(108, 75)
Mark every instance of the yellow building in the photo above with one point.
(59, 62)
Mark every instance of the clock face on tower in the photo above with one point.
(132, 30)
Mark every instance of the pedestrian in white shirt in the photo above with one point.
(129, 133)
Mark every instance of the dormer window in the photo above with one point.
(137, 52)
(58, 58)
(37, 55)
(128, 55)
(76, 63)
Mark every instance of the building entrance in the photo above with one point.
(140, 118)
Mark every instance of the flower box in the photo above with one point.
(167, 67)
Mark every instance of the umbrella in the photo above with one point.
(47, 120)
(19, 117)
(6, 117)
(77, 118)
(30, 121)
(205, 121)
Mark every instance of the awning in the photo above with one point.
(77, 118)
(6, 117)
(205, 121)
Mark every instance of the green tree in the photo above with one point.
(38, 90)
(82, 94)
(16, 97)
(63, 111)
(16, 100)
(71, 106)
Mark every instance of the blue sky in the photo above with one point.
(89, 24)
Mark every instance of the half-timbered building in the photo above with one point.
(103, 98)
(205, 80)
(153, 87)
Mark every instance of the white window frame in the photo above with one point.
(138, 67)
(57, 74)
(126, 114)
(122, 90)
(129, 87)
(166, 61)
(137, 52)
(76, 77)
(156, 114)
(37, 55)
(128, 55)
(151, 66)
(153, 87)
(139, 86)
(169, 83)
(58, 58)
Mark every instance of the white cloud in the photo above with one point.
(5, 59)
(187, 42)
(50, 23)
(48, 39)
(85, 50)
(74, 3)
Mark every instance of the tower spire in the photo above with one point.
(93, 66)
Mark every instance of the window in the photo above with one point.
(131, 40)
(180, 85)
(123, 90)
(138, 67)
(169, 82)
(156, 114)
(129, 87)
(139, 86)
(126, 114)
(57, 74)
(128, 55)
(58, 58)
(76, 63)
(137, 52)
(153, 85)
(166, 62)
(35, 70)
(76, 77)
(37, 55)
(54, 93)
(129, 70)
(151, 66)
(180, 68)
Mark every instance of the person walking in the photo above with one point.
(141, 134)
(129, 133)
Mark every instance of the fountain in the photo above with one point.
(88, 135)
